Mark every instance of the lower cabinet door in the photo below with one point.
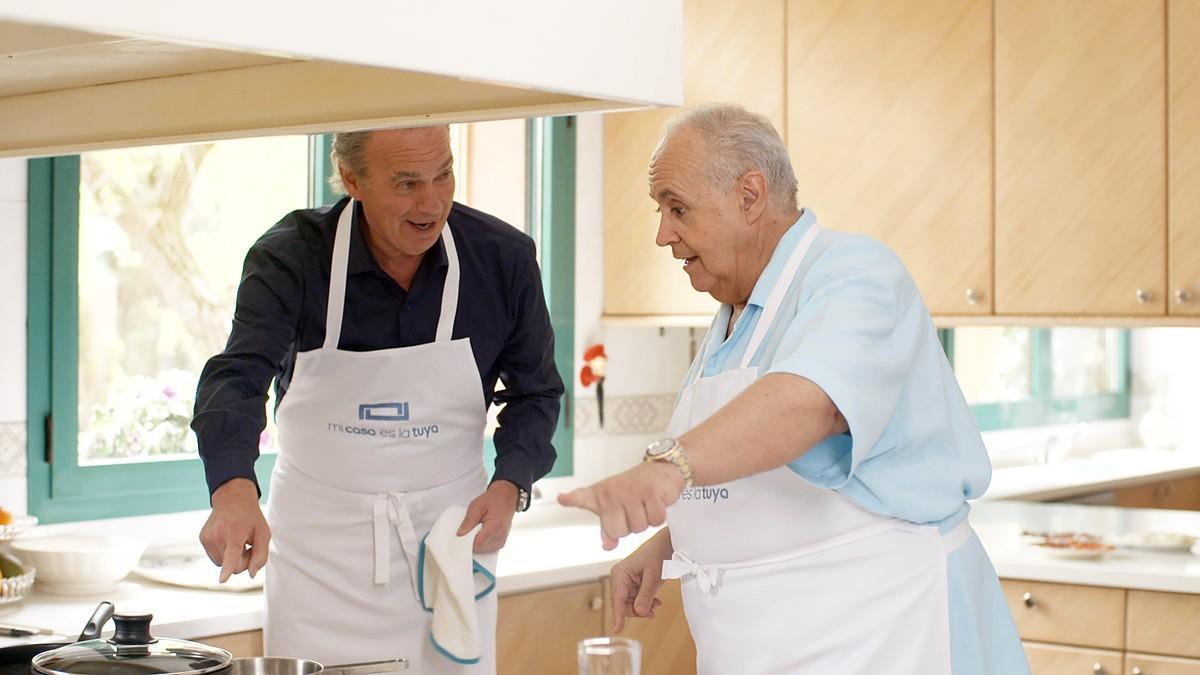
(249, 643)
(1047, 659)
(537, 632)
(666, 640)
(1144, 664)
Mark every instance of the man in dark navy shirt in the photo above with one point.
(396, 269)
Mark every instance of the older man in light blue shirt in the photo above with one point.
(821, 456)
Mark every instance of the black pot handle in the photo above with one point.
(95, 625)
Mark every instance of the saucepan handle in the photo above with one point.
(389, 666)
(91, 631)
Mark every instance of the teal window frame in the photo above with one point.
(60, 490)
(1043, 407)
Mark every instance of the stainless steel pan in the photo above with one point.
(282, 665)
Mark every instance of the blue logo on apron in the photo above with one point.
(384, 412)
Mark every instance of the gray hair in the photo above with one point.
(739, 141)
(347, 148)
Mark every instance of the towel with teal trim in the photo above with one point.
(450, 581)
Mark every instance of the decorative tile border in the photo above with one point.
(13, 456)
(623, 415)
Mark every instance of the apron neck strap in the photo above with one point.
(337, 277)
(445, 327)
(775, 299)
(337, 281)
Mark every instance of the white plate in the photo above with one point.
(1072, 553)
(1156, 541)
(188, 566)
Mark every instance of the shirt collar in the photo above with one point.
(361, 260)
(783, 250)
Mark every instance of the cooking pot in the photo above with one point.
(15, 660)
(132, 650)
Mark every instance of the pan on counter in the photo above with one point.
(15, 660)
(132, 650)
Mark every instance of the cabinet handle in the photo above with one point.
(1136, 671)
(1097, 668)
(1182, 295)
(596, 603)
(973, 296)
(1029, 601)
(1144, 296)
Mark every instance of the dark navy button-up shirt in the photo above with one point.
(280, 311)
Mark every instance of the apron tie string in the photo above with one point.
(679, 566)
(389, 508)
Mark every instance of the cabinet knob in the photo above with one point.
(1144, 296)
(596, 603)
(973, 296)
(1136, 671)
(1097, 668)
(1182, 295)
(1028, 598)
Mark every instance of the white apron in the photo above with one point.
(373, 447)
(780, 576)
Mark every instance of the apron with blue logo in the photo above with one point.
(373, 447)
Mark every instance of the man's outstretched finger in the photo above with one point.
(235, 561)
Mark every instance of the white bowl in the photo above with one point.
(79, 564)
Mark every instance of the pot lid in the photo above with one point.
(132, 651)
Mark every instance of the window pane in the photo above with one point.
(495, 174)
(163, 232)
(1085, 361)
(992, 363)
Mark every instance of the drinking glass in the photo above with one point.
(610, 656)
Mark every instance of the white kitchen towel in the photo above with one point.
(450, 581)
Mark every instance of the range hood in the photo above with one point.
(114, 73)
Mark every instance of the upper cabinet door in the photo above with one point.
(890, 130)
(1080, 157)
(732, 53)
(1183, 197)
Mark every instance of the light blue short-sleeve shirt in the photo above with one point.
(854, 323)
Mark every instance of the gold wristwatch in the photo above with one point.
(670, 450)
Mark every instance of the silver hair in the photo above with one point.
(739, 141)
(348, 148)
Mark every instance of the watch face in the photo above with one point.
(661, 447)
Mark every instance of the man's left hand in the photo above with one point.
(630, 501)
(494, 508)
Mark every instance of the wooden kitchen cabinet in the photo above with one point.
(1146, 664)
(731, 53)
(1183, 168)
(1059, 660)
(1086, 616)
(1164, 623)
(667, 645)
(1181, 493)
(890, 130)
(537, 632)
(247, 643)
(1080, 143)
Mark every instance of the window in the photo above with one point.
(1022, 377)
(132, 283)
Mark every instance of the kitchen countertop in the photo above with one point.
(556, 547)
(999, 525)
(1098, 472)
(552, 548)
